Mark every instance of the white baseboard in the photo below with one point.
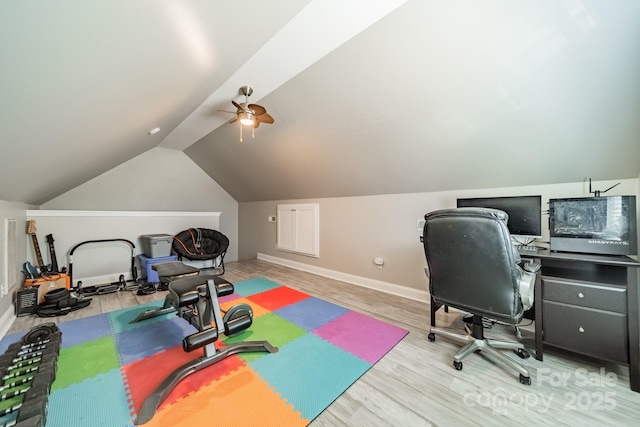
(6, 321)
(378, 285)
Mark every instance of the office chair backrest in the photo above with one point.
(472, 262)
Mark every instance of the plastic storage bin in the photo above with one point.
(156, 245)
(146, 263)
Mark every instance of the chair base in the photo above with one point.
(486, 347)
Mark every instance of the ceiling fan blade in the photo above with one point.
(233, 120)
(257, 109)
(265, 118)
(256, 123)
(238, 106)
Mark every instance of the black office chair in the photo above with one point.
(473, 266)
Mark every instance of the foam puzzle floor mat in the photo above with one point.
(107, 366)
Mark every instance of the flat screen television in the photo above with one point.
(525, 212)
(595, 225)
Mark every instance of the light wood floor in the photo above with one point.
(415, 383)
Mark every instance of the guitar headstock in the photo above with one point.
(49, 238)
(31, 227)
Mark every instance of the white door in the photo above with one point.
(299, 229)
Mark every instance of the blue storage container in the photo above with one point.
(148, 273)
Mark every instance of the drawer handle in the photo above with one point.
(581, 329)
(580, 295)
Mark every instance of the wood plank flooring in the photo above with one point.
(415, 384)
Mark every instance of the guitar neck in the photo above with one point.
(52, 253)
(34, 239)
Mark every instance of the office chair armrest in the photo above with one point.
(526, 287)
(532, 267)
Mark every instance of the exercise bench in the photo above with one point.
(195, 297)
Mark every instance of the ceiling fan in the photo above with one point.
(249, 114)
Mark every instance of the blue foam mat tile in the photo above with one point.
(99, 402)
(138, 343)
(89, 329)
(311, 313)
(310, 373)
(120, 318)
(254, 286)
(9, 339)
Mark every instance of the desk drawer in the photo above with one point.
(598, 333)
(585, 294)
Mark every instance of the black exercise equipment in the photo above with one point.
(195, 297)
(108, 288)
(60, 302)
(28, 367)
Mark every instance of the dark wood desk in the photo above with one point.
(588, 304)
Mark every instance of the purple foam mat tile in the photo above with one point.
(229, 297)
(361, 335)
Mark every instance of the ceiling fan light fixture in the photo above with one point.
(247, 118)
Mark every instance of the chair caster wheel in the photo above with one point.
(525, 380)
(522, 353)
(458, 366)
(431, 336)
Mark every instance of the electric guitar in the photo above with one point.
(30, 271)
(52, 254)
(31, 230)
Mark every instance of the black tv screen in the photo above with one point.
(525, 212)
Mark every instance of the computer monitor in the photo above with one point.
(525, 212)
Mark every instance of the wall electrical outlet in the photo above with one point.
(271, 218)
(420, 224)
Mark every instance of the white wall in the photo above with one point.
(17, 211)
(158, 180)
(355, 230)
(103, 262)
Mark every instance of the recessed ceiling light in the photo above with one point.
(152, 131)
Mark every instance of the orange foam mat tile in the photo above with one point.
(145, 375)
(277, 298)
(241, 398)
(257, 309)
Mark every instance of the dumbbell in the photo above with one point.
(40, 333)
(40, 385)
(39, 338)
(53, 340)
(23, 411)
(24, 364)
(8, 363)
(35, 421)
(30, 370)
(25, 351)
(47, 373)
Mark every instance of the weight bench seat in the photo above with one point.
(185, 290)
(174, 269)
(185, 285)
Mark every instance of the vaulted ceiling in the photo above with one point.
(368, 97)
